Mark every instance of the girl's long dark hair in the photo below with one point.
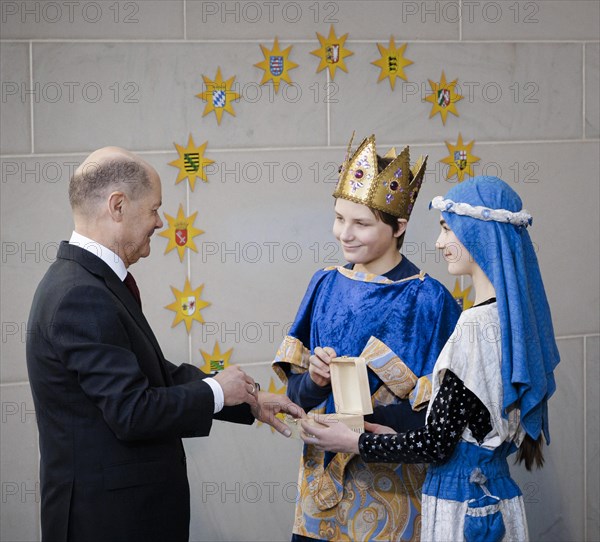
(530, 452)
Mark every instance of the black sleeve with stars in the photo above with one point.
(453, 408)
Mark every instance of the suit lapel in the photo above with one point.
(122, 292)
(97, 267)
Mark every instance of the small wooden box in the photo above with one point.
(350, 386)
(351, 395)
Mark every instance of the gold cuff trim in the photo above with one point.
(393, 372)
(419, 397)
(291, 351)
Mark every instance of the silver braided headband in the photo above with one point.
(520, 218)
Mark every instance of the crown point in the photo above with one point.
(391, 153)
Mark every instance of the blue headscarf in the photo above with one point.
(506, 255)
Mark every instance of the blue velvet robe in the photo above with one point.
(343, 309)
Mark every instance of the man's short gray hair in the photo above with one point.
(93, 181)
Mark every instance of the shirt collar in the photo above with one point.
(105, 254)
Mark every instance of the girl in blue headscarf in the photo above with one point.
(491, 382)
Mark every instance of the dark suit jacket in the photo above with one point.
(111, 410)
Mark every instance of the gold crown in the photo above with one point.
(391, 191)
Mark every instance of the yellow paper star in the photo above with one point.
(187, 305)
(280, 391)
(191, 162)
(276, 65)
(215, 361)
(462, 296)
(460, 159)
(443, 98)
(332, 52)
(392, 62)
(181, 232)
(218, 95)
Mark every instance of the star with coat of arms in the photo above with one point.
(181, 232)
(462, 296)
(332, 52)
(216, 361)
(218, 95)
(187, 305)
(443, 97)
(273, 388)
(392, 62)
(191, 162)
(460, 159)
(276, 65)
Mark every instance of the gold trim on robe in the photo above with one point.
(322, 489)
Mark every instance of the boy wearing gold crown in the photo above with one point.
(383, 308)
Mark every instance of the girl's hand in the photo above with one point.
(330, 436)
(379, 429)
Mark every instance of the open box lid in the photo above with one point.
(350, 385)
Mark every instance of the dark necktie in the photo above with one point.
(133, 288)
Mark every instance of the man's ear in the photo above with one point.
(116, 202)
(402, 223)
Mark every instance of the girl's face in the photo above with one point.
(460, 261)
(364, 238)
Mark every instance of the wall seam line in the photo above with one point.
(291, 41)
(583, 98)
(31, 121)
(581, 336)
(185, 20)
(189, 269)
(460, 20)
(238, 150)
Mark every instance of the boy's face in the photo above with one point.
(363, 237)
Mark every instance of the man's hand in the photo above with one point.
(271, 404)
(237, 386)
(318, 367)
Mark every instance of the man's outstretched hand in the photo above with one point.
(270, 404)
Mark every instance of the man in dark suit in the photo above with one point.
(111, 409)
